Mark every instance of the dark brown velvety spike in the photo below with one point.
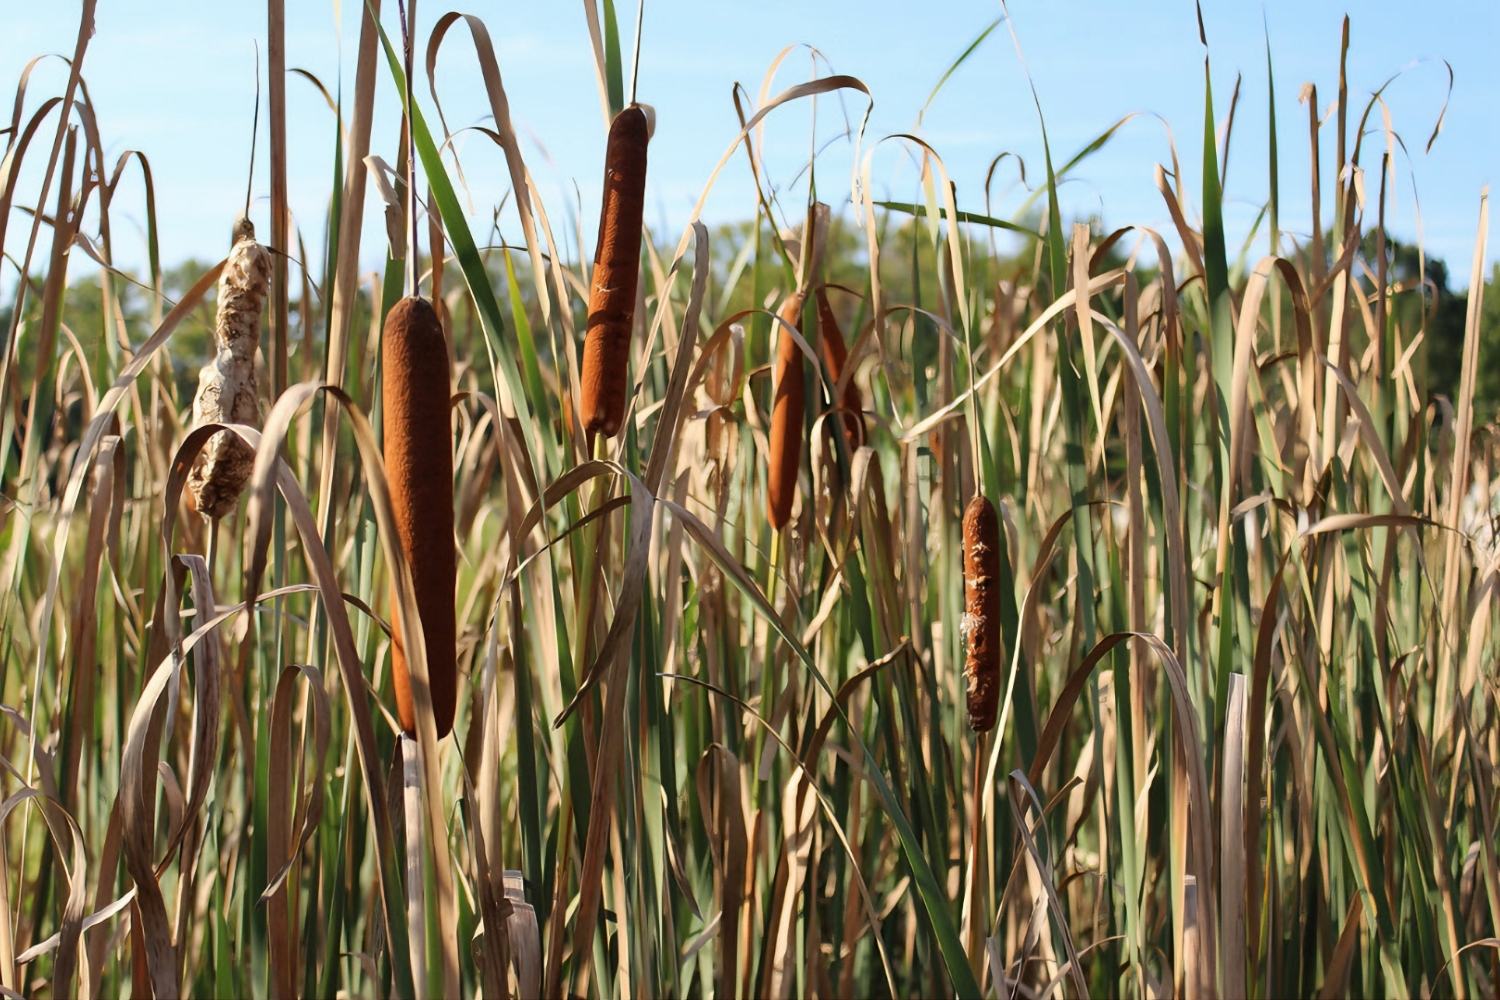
(418, 449)
(617, 263)
(786, 418)
(981, 622)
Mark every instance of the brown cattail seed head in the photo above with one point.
(837, 356)
(617, 262)
(226, 386)
(418, 450)
(981, 622)
(786, 417)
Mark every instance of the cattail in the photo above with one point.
(418, 449)
(980, 626)
(226, 385)
(786, 417)
(837, 355)
(617, 261)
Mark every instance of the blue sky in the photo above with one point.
(173, 79)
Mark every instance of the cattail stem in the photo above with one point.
(635, 61)
(973, 912)
(412, 253)
(773, 565)
(416, 874)
(617, 264)
(772, 591)
(593, 536)
(254, 134)
(211, 546)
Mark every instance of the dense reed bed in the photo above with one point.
(1229, 636)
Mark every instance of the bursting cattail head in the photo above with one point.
(242, 293)
(786, 417)
(981, 621)
(418, 449)
(837, 356)
(226, 386)
(617, 261)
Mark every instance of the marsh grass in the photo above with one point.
(1245, 590)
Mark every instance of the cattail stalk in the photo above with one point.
(786, 417)
(617, 263)
(418, 451)
(226, 386)
(980, 626)
(837, 357)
